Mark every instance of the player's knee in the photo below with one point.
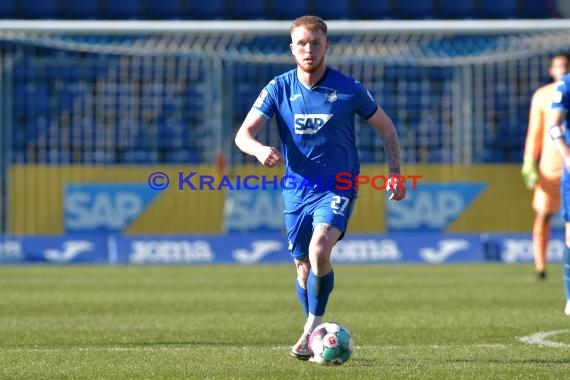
(303, 269)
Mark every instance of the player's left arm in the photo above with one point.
(556, 118)
(384, 126)
(557, 132)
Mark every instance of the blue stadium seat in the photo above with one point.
(140, 157)
(503, 9)
(288, 10)
(44, 9)
(184, 156)
(98, 157)
(539, 9)
(19, 156)
(208, 9)
(84, 9)
(7, 9)
(366, 10)
(333, 10)
(165, 9)
(248, 10)
(123, 9)
(457, 9)
(417, 9)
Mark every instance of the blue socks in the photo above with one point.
(302, 294)
(318, 291)
(566, 271)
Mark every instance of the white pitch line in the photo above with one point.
(540, 338)
(206, 346)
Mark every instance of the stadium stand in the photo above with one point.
(247, 10)
(31, 9)
(274, 9)
(80, 10)
(166, 10)
(121, 10)
(377, 10)
(453, 9)
(48, 93)
(7, 9)
(422, 9)
(338, 9)
(287, 10)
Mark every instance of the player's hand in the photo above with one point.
(396, 189)
(269, 156)
(529, 173)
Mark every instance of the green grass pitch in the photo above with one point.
(234, 322)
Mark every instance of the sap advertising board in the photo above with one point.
(432, 206)
(104, 206)
(113, 207)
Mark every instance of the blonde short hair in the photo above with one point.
(310, 22)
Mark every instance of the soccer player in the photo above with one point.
(546, 179)
(559, 131)
(315, 107)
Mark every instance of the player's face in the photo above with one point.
(308, 48)
(558, 68)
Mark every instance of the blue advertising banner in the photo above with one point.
(270, 247)
(75, 248)
(517, 248)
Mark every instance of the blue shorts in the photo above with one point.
(332, 207)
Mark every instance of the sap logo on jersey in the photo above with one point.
(104, 207)
(310, 123)
(432, 207)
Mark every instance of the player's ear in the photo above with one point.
(291, 47)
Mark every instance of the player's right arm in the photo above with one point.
(247, 142)
(533, 143)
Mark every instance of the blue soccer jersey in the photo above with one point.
(316, 127)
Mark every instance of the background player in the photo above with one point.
(540, 149)
(315, 107)
(560, 134)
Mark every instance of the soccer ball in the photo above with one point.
(331, 344)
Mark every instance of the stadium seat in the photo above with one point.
(165, 9)
(288, 10)
(209, 9)
(140, 157)
(332, 10)
(539, 9)
(84, 9)
(44, 9)
(184, 156)
(366, 10)
(504, 9)
(7, 9)
(248, 10)
(454, 9)
(124, 9)
(416, 10)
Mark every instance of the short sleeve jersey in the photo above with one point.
(561, 101)
(316, 126)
